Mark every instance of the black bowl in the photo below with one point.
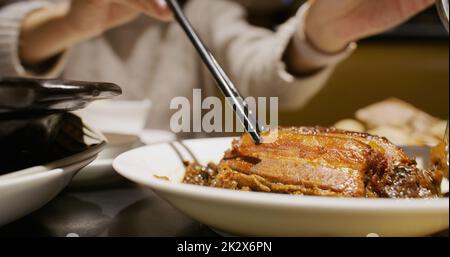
(35, 126)
(29, 141)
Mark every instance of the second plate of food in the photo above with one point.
(162, 168)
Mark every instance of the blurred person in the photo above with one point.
(134, 44)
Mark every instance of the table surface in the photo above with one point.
(123, 209)
(120, 209)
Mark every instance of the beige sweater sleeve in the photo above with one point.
(253, 57)
(11, 18)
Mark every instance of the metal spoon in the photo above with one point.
(443, 10)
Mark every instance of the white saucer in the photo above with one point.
(150, 137)
(100, 172)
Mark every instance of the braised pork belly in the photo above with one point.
(321, 162)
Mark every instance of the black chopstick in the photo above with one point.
(234, 98)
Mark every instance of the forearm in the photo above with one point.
(49, 31)
(296, 61)
(303, 57)
(45, 33)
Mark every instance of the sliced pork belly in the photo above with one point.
(324, 162)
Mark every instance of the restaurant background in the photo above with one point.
(410, 63)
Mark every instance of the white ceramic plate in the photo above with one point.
(25, 191)
(263, 214)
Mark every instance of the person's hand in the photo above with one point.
(91, 17)
(332, 24)
(49, 31)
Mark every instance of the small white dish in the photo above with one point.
(101, 172)
(25, 191)
(97, 173)
(119, 117)
(153, 136)
(263, 214)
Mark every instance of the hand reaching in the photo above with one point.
(91, 17)
(332, 24)
(49, 31)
